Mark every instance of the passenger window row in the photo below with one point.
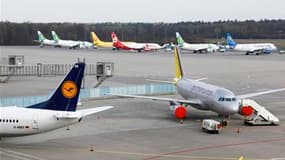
(9, 121)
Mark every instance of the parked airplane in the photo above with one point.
(99, 43)
(133, 45)
(257, 48)
(199, 47)
(70, 43)
(202, 95)
(45, 42)
(57, 112)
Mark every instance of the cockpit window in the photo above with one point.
(227, 99)
(221, 99)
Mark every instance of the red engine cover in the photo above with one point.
(180, 112)
(246, 110)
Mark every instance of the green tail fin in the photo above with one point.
(41, 36)
(55, 36)
(180, 40)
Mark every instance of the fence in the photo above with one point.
(95, 92)
(42, 69)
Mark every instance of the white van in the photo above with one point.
(211, 126)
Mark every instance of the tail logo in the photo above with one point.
(115, 39)
(69, 89)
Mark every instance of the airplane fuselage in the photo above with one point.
(68, 43)
(85, 44)
(31, 121)
(255, 46)
(197, 47)
(214, 98)
(151, 46)
(48, 43)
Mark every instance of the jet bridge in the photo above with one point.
(260, 116)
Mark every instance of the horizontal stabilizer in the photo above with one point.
(86, 112)
(67, 115)
(159, 81)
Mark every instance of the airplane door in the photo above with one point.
(35, 122)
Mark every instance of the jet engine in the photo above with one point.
(246, 110)
(178, 111)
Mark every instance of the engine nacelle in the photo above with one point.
(179, 111)
(246, 110)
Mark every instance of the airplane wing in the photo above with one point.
(171, 82)
(190, 102)
(81, 113)
(86, 112)
(259, 93)
(201, 49)
(75, 45)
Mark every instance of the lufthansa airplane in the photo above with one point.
(202, 95)
(57, 112)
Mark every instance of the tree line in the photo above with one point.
(24, 33)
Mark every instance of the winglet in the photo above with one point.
(178, 66)
(65, 97)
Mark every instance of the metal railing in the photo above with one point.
(42, 69)
(148, 89)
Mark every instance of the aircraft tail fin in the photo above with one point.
(41, 36)
(65, 97)
(179, 38)
(230, 40)
(95, 38)
(55, 36)
(178, 65)
(115, 39)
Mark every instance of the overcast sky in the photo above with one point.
(139, 10)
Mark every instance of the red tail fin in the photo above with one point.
(115, 39)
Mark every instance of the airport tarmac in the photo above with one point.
(140, 129)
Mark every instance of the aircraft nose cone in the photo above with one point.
(234, 108)
(231, 108)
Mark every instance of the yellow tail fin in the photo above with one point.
(95, 39)
(178, 66)
(241, 158)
